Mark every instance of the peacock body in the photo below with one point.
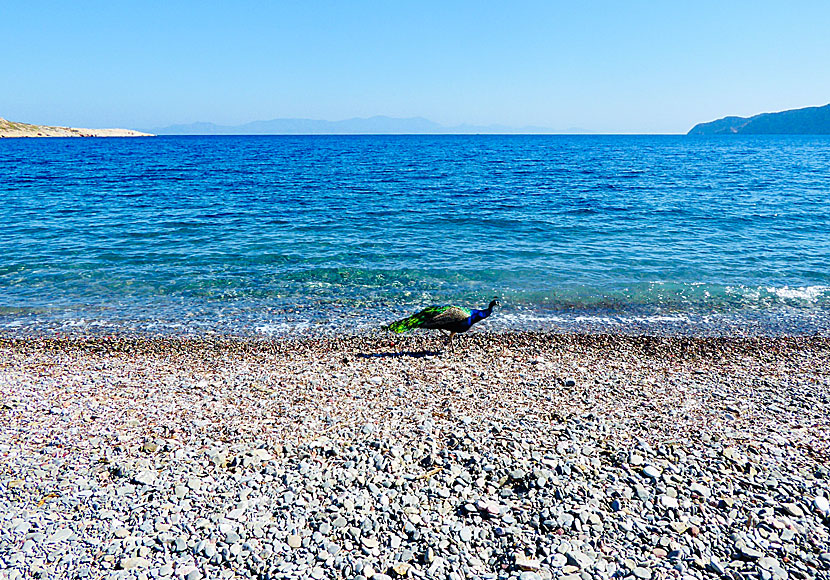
(452, 319)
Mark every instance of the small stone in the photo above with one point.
(146, 477)
(642, 573)
(130, 563)
(517, 474)
(340, 522)
(401, 568)
(793, 510)
(294, 541)
(369, 542)
(769, 563)
(748, 553)
(641, 492)
(466, 534)
(525, 563)
(579, 559)
(668, 502)
(262, 454)
(488, 507)
(209, 549)
(700, 489)
(822, 504)
(651, 471)
(679, 527)
(529, 576)
(59, 536)
(635, 459)
(149, 447)
(715, 565)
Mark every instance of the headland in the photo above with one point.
(12, 129)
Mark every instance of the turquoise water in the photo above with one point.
(272, 235)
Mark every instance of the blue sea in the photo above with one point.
(284, 235)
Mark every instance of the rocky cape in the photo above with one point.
(12, 129)
(807, 121)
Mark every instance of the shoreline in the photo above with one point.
(520, 454)
(14, 130)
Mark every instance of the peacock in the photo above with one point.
(453, 319)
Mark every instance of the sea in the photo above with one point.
(271, 236)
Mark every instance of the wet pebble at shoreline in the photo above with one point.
(518, 456)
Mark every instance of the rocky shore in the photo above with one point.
(528, 456)
(13, 129)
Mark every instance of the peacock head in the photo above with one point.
(494, 302)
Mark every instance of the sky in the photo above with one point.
(601, 66)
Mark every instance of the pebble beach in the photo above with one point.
(517, 455)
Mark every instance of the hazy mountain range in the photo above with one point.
(378, 125)
(807, 121)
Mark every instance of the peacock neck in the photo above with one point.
(476, 315)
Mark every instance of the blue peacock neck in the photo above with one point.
(476, 315)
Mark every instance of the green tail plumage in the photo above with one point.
(416, 320)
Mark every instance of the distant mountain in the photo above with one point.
(378, 125)
(808, 121)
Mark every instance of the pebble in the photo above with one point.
(749, 553)
(668, 501)
(651, 471)
(466, 534)
(821, 504)
(793, 509)
(59, 536)
(525, 563)
(130, 563)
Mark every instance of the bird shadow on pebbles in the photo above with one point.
(399, 354)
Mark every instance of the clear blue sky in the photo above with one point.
(605, 66)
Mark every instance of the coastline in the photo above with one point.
(13, 130)
(521, 454)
